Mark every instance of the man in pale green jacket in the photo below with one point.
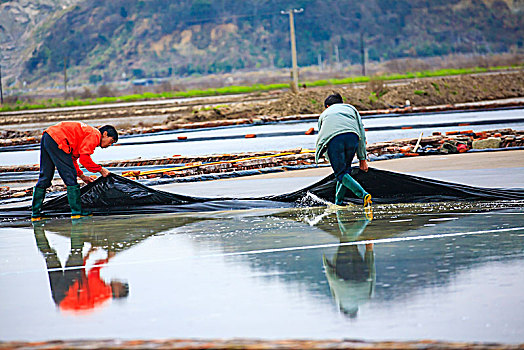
(341, 135)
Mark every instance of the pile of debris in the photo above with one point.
(6, 192)
(229, 163)
(16, 137)
(451, 142)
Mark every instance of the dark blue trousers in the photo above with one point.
(50, 157)
(341, 151)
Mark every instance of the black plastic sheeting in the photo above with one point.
(118, 195)
(390, 187)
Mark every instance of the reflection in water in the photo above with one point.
(78, 286)
(441, 271)
(351, 275)
(416, 264)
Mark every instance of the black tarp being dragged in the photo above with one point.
(390, 187)
(118, 195)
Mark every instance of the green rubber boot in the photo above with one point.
(73, 197)
(38, 201)
(340, 193)
(354, 186)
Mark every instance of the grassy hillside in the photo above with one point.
(105, 40)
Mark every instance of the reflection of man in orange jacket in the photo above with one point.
(90, 291)
(76, 288)
(61, 146)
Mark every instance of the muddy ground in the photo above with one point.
(309, 100)
(378, 95)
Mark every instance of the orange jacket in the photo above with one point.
(88, 293)
(79, 140)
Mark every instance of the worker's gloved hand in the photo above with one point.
(104, 172)
(86, 179)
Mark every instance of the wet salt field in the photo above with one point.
(443, 271)
(282, 136)
(307, 270)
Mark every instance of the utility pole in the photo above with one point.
(1, 91)
(363, 54)
(65, 77)
(294, 85)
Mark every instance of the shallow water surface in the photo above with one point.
(439, 271)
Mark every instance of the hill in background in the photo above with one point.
(102, 41)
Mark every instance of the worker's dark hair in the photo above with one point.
(333, 99)
(111, 131)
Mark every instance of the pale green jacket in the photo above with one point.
(338, 119)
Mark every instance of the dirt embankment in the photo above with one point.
(374, 95)
(379, 95)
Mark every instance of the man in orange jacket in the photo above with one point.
(61, 146)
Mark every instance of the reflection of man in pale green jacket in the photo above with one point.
(351, 277)
(341, 135)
